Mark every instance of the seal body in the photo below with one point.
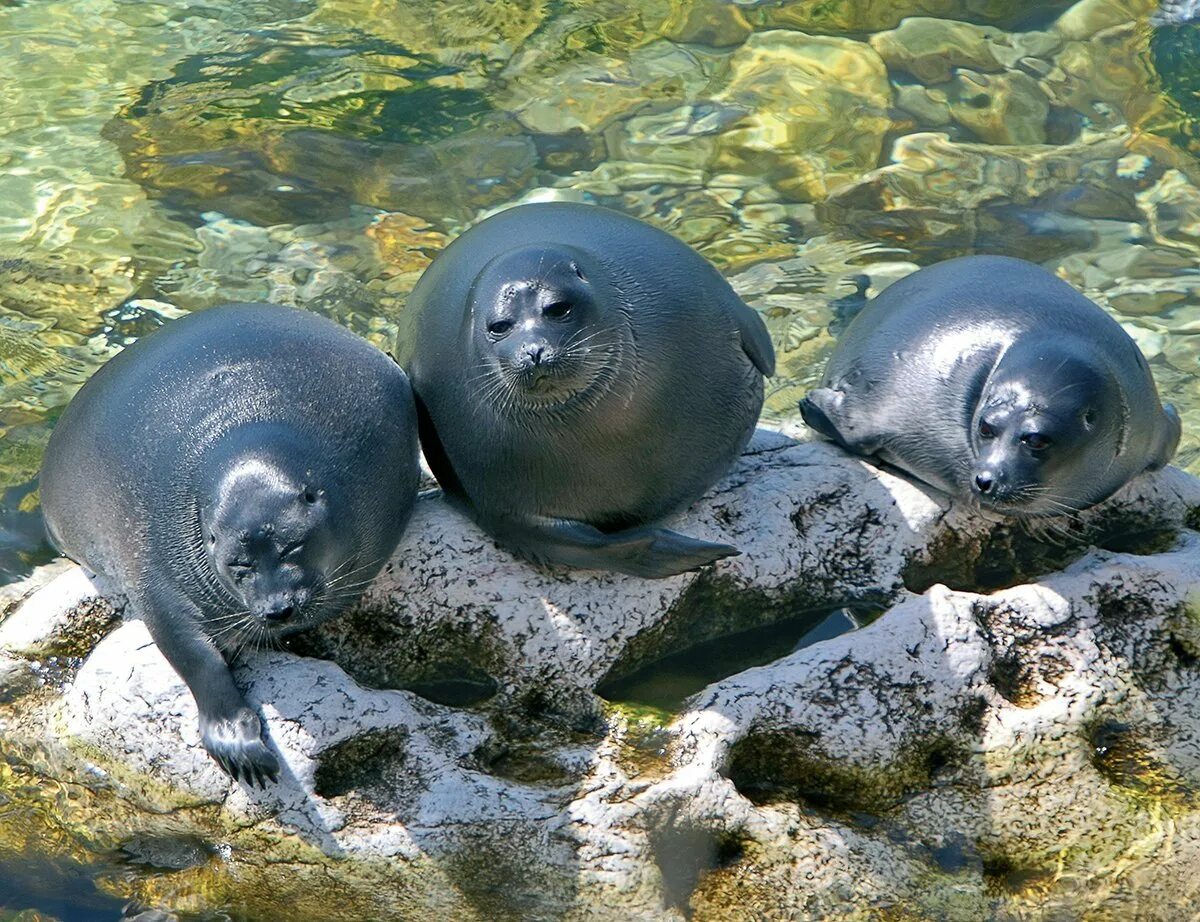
(239, 474)
(995, 381)
(580, 374)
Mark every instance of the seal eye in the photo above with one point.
(557, 310)
(578, 272)
(1089, 418)
(500, 327)
(1035, 441)
(986, 431)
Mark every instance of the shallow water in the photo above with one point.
(160, 158)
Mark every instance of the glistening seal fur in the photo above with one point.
(993, 380)
(579, 375)
(239, 474)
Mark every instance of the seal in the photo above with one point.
(239, 475)
(993, 380)
(580, 374)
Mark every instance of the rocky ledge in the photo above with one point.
(1014, 727)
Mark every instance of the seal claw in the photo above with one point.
(237, 746)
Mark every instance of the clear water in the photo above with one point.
(160, 158)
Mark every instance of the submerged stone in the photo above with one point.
(795, 90)
(931, 49)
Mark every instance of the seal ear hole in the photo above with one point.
(310, 497)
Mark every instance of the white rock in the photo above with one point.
(966, 727)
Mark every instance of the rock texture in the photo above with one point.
(965, 753)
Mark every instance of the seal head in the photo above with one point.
(1046, 420)
(540, 329)
(271, 539)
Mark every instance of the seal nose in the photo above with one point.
(984, 483)
(534, 353)
(282, 613)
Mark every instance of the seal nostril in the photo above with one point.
(281, 614)
(984, 483)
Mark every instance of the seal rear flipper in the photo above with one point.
(756, 341)
(229, 727)
(653, 553)
(822, 411)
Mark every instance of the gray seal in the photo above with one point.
(580, 374)
(995, 381)
(239, 474)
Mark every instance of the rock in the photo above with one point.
(999, 108)
(588, 90)
(875, 15)
(839, 772)
(1087, 17)
(65, 616)
(456, 32)
(713, 23)
(795, 90)
(931, 49)
(937, 193)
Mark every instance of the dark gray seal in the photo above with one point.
(580, 374)
(995, 381)
(240, 474)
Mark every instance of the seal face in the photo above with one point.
(995, 381)
(240, 474)
(580, 374)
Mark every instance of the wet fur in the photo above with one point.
(678, 365)
(906, 380)
(137, 455)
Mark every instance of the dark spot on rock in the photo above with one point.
(1185, 656)
(1012, 678)
(1006, 557)
(1127, 760)
(527, 763)
(1142, 542)
(366, 761)
(776, 766)
(1006, 874)
(970, 718)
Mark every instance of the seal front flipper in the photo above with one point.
(652, 553)
(229, 728)
(1171, 431)
(756, 341)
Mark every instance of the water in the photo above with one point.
(160, 158)
(669, 682)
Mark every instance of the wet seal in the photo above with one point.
(239, 474)
(993, 380)
(580, 374)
